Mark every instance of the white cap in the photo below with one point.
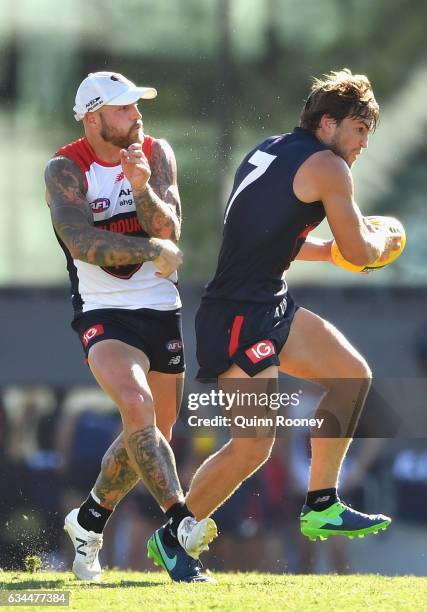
(107, 88)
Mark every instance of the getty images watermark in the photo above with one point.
(239, 401)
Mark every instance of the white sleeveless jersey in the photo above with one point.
(110, 196)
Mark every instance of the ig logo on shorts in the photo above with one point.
(174, 346)
(261, 350)
(91, 332)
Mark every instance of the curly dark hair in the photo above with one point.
(340, 94)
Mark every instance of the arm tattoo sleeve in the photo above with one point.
(158, 206)
(156, 463)
(73, 221)
(117, 476)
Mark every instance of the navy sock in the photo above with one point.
(321, 499)
(175, 514)
(92, 516)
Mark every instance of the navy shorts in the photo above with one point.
(248, 334)
(157, 333)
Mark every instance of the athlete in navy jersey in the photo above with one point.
(248, 327)
(265, 223)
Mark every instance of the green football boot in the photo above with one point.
(339, 519)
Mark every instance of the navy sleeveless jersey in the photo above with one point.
(265, 224)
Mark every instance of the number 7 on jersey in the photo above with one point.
(261, 161)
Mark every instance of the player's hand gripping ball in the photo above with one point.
(391, 226)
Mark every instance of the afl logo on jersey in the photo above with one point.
(260, 350)
(100, 205)
(174, 346)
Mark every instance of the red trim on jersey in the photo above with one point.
(135, 268)
(146, 147)
(305, 232)
(83, 155)
(235, 333)
(80, 153)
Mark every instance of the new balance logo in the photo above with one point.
(80, 546)
(325, 498)
(120, 177)
(94, 512)
(175, 360)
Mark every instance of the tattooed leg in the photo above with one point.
(154, 458)
(117, 476)
(121, 369)
(156, 463)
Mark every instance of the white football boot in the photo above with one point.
(195, 536)
(87, 544)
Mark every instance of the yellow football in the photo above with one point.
(391, 226)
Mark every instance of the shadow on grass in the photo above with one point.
(127, 584)
(20, 585)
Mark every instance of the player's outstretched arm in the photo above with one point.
(73, 222)
(155, 188)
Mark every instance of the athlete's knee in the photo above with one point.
(251, 452)
(356, 368)
(135, 404)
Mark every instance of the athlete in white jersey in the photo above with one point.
(113, 207)
(116, 212)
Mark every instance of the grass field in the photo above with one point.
(128, 591)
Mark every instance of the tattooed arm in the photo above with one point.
(155, 188)
(73, 221)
